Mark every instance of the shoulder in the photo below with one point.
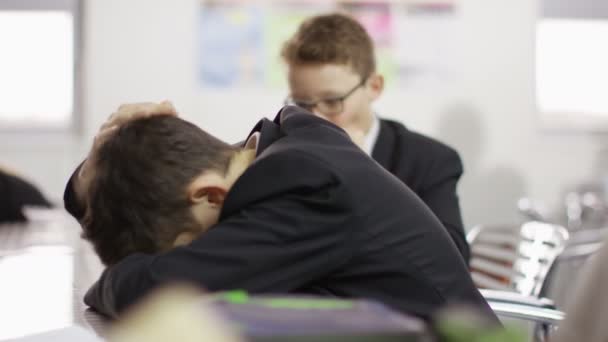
(419, 146)
(284, 173)
(287, 154)
(293, 119)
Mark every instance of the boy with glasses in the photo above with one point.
(332, 73)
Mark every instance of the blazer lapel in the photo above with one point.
(385, 145)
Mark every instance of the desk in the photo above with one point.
(45, 269)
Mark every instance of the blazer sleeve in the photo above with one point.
(439, 194)
(280, 244)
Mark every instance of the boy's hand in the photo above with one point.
(130, 111)
(123, 114)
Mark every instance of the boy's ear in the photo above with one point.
(207, 187)
(213, 194)
(375, 84)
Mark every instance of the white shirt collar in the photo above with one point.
(372, 136)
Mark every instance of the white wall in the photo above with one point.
(144, 50)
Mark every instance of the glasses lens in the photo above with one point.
(330, 106)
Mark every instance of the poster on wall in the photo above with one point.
(378, 18)
(231, 38)
(426, 41)
(240, 41)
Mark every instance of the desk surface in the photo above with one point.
(45, 269)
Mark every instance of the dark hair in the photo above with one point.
(137, 200)
(331, 38)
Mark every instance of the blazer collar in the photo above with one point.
(385, 145)
(270, 131)
(288, 118)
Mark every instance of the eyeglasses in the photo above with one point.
(329, 106)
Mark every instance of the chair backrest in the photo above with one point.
(565, 274)
(515, 258)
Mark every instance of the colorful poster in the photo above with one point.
(231, 44)
(379, 20)
(240, 41)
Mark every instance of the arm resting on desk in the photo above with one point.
(267, 247)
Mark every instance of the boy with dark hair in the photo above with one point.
(332, 73)
(298, 209)
(150, 162)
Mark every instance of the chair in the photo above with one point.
(581, 245)
(515, 259)
(510, 264)
(545, 321)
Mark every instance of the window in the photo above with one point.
(572, 64)
(38, 64)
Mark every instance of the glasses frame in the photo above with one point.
(311, 105)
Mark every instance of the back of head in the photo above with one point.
(331, 39)
(137, 200)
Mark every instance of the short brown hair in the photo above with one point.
(137, 200)
(331, 39)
